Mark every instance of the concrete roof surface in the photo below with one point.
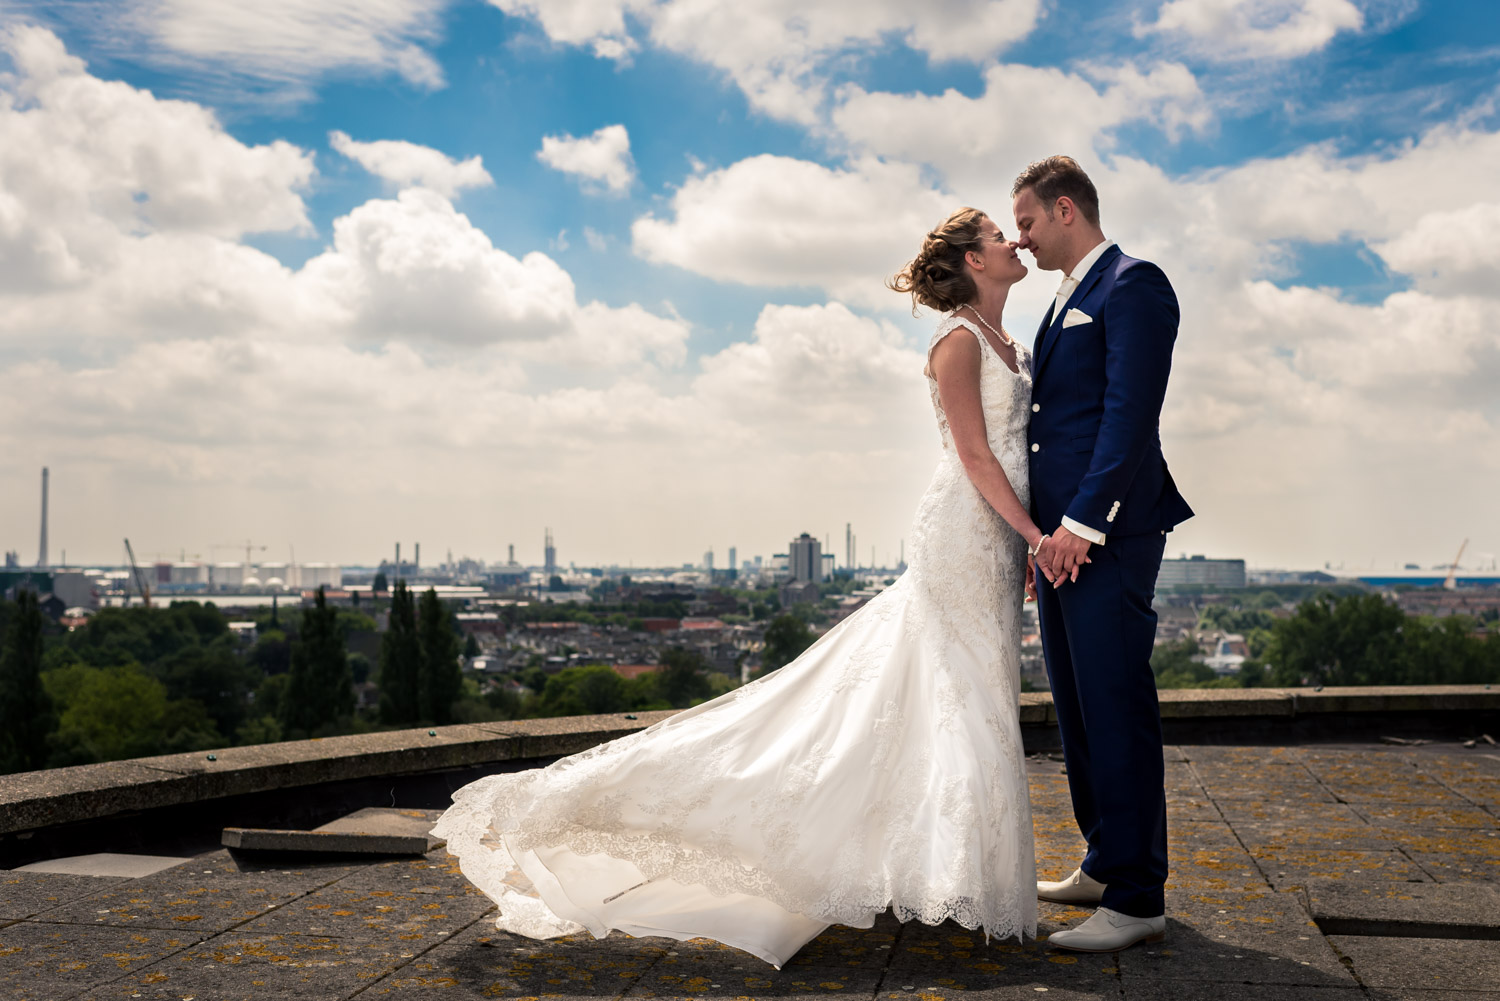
(1307, 872)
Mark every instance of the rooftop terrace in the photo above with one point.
(1301, 869)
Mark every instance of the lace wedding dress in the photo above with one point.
(882, 768)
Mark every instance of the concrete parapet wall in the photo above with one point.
(32, 801)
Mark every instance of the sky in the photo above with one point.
(322, 275)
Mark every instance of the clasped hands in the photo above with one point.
(1058, 558)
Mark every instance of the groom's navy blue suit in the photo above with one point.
(1096, 458)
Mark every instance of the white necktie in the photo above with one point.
(1063, 292)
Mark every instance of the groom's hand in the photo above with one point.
(1067, 555)
(1030, 579)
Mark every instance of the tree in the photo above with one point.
(381, 585)
(441, 678)
(785, 639)
(26, 714)
(681, 679)
(120, 712)
(578, 691)
(401, 661)
(321, 687)
(1175, 665)
(471, 647)
(213, 676)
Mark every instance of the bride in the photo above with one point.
(880, 769)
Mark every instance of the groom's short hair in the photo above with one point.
(1057, 177)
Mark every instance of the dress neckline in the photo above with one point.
(984, 338)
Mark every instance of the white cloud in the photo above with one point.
(1249, 29)
(1448, 252)
(780, 52)
(405, 164)
(603, 157)
(286, 44)
(1026, 112)
(777, 221)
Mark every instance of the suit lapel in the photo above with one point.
(1052, 326)
(1041, 332)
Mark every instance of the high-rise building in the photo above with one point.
(549, 556)
(734, 564)
(805, 558)
(708, 562)
(1199, 570)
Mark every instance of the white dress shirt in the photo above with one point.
(1065, 292)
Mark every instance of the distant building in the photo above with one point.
(805, 559)
(734, 565)
(799, 593)
(1200, 570)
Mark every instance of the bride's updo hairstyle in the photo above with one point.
(936, 278)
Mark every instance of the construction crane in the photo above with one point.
(1449, 582)
(247, 545)
(140, 579)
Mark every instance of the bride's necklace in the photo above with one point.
(1005, 338)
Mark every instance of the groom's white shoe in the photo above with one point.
(1109, 931)
(1079, 888)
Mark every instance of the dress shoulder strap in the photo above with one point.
(946, 326)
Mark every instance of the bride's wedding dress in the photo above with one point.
(882, 768)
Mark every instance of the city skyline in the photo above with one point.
(320, 279)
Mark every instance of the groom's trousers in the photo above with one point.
(1097, 637)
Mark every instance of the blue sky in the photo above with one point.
(1304, 174)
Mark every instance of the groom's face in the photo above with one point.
(1037, 232)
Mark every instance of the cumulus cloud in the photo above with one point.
(405, 164)
(1251, 29)
(779, 52)
(1454, 251)
(778, 221)
(603, 158)
(121, 217)
(1025, 112)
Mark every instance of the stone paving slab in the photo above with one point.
(1459, 867)
(1425, 817)
(23, 893)
(1293, 869)
(483, 962)
(208, 894)
(238, 964)
(410, 901)
(1447, 910)
(105, 864)
(1450, 965)
(50, 962)
(1269, 940)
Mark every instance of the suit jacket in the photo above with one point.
(1097, 391)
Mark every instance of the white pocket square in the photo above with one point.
(1073, 317)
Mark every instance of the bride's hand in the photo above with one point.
(1030, 579)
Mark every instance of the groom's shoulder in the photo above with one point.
(1138, 270)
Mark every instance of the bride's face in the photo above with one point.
(996, 258)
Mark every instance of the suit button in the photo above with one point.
(1035, 447)
(1036, 408)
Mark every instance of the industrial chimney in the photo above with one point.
(41, 560)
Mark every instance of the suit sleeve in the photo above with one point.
(1140, 326)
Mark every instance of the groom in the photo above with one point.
(1099, 480)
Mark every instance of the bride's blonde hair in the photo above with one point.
(936, 277)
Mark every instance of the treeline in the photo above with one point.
(1339, 639)
(139, 681)
(134, 682)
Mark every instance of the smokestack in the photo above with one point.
(511, 559)
(397, 572)
(416, 558)
(41, 559)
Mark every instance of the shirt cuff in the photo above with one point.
(1083, 531)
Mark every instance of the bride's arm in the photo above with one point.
(955, 365)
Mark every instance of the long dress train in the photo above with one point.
(880, 769)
